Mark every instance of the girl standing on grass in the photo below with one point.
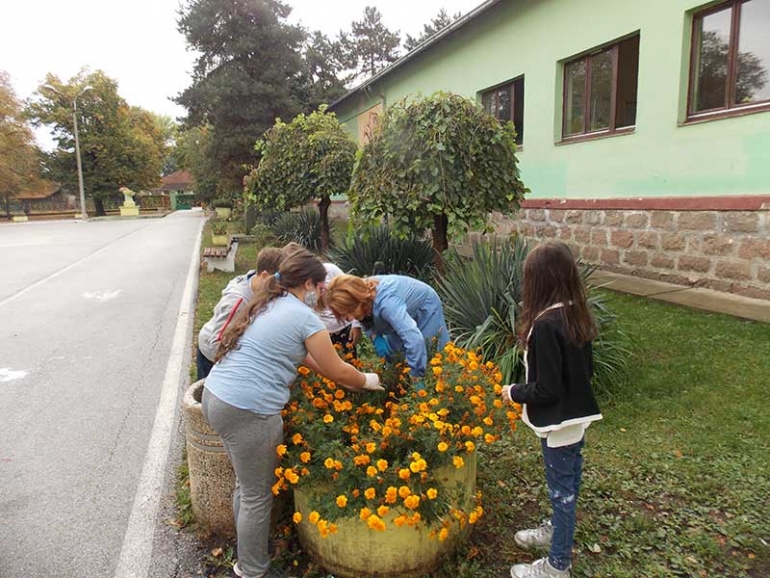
(249, 386)
(558, 402)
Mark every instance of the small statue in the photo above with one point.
(128, 197)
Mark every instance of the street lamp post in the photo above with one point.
(83, 213)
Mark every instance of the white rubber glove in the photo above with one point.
(372, 382)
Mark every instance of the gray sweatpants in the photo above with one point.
(251, 441)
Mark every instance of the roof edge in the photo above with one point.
(424, 45)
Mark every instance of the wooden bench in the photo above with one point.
(221, 258)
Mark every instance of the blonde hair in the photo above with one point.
(346, 292)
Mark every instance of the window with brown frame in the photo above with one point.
(506, 102)
(730, 60)
(600, 90)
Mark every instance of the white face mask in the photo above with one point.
(311, 299)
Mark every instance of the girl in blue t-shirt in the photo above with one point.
(249, 386)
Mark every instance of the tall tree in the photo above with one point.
(194, 151)
(249, 72)
(309, 158)
(370, 46)
(439, 163)
(19, 157)
(324, 68)
(120, 145)
(439, 22)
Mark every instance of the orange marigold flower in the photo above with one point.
(470, 446)
(328, 418)
(365, 513)
(412, 502)
(382, 465)
(291, 475)
(371, 471)
(304, 457)
(382, 511)
(371, 447)
(297, 517)
(302, 370)
(404, 492)
(403, 473)
(443, 534)
(375, 523)
(437, 370)
(296, 439)
(400, 521)
(281, 450)
(370, 493)
(313, 517)
(342, 501)
(458, 462)
(432, 493)
(391, 495)
(443, 446)
(329, 463)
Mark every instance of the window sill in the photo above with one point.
(596, 136)
(726, 113)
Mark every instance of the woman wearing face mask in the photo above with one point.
(249, 386)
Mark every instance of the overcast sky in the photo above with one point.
(136, 42)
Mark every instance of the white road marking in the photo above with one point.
(8, 374)
(135, 555)
(103, 295)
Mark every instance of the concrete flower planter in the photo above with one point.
(212, 479)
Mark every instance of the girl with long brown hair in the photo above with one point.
(249, 386)
(558, 403)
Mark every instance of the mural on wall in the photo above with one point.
(367, 121)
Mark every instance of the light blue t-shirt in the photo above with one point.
(256, 376)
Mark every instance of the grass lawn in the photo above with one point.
(677, 475)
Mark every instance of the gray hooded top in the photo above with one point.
(236, 294)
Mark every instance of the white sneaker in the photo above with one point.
(535, 538)
(538, 569)
(237, 569)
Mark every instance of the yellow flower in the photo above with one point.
(328, 418)
(412, 502)
(375, 523)
(437, 371)
(296, 439)
(371, 447)
(404, 492)
(382, 511)
(470, 446)
(403, 473)
(442, 446)
(313, 517)
(391, 495)
(304, 457)
(458, 462)
(365, 513)
(382, 465)
(291, 475)
(281, 450)
(297, 517)
(342, 501)
(443, 534)
(370, 493)
(371, 471)
(432, 493)
(400, 521)
(302, 370)
(329, 463)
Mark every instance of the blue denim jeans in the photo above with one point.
(204, 365)
(563, 473)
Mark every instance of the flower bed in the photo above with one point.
(379, 458)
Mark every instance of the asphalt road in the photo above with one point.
(89, 312)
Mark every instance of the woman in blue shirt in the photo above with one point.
(249, 386)
(406, 311)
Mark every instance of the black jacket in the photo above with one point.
(558, 390)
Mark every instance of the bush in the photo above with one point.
(303, 227)
(218, 226)
(482, 303)
(223, 203)
(377, 252)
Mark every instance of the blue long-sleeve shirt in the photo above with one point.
(409, 312)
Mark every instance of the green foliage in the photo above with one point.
(194, 151)
(303, 227)
(369, 46)
(120, 145)
(247, 74)
(437, 23)
(19, 157)
(439, 162)
(223, 203)
(482, 302)
(375, 251)
(309, 158)
(218, 226)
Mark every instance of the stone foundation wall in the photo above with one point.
(726, 251)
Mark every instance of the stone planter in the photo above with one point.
(212, 479)
(355, 551)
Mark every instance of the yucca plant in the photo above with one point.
(303, 227)
(374, 251)
(482, 302)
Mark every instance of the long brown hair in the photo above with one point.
(346, 292)
(551, 276)
(294, 271)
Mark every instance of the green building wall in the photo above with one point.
(663, 157)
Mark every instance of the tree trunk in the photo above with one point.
(323, 209)
(440, 241)
(99, 205)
